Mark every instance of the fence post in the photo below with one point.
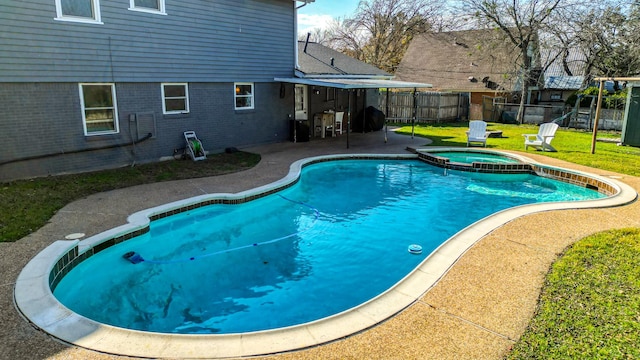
(439, 108)
(415, 111)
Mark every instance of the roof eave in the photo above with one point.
(346, 76)
(361, 83)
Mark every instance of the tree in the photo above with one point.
(380, 31)
(320, 35)
(520, 21)
(609, 38)
(604, 33)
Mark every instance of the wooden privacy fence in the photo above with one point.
(497, 110)
(428, 106)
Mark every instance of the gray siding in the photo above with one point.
(198, 40)
(47, 126)
(209, 44)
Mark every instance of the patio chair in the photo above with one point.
(477, 132)
(336, 126)
(541, 140)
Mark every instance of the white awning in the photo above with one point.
(354, 83)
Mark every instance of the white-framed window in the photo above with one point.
(151, 6)
(175, 98)
(99, 108)
(243, 96)
(87, 11)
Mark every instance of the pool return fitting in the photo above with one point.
(415, 249)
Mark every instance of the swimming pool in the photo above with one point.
(385, 305)
(340, 233)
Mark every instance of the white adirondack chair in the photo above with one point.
(477, 132)
(541, 140)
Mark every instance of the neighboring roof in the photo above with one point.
(346, 83)
(323, 66)
(563, 82)
(576, 61)
(461, 60)
(317, 60)
(555, 76)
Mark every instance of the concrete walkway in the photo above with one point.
(476, 311)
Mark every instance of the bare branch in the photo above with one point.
(380, 31)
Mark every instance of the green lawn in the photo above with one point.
(26, 205)
(590, 303)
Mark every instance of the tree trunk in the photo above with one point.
(523, 94)
(526, 81)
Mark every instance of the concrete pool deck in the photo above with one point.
(476, 311)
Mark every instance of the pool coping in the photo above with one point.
(36, 302)
(427, 155)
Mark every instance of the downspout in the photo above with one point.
(349, 116)
(295, 36)
(296, 64)
(295, 30)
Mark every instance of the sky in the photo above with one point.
(321, 12)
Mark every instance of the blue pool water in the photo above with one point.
(468, 157)
(334, 240)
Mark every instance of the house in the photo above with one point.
(558, 88)
(563, 76)
(479, 62)
(97, 84)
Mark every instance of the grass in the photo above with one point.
(572, 145)
(27, 205)
(589, 305)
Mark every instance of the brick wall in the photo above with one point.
(44, 121)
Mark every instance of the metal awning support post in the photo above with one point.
(292, 119)
(348, 117)
(335, 111)
(595, 122)
(364, 108)
(415, 111)
(386, 113)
